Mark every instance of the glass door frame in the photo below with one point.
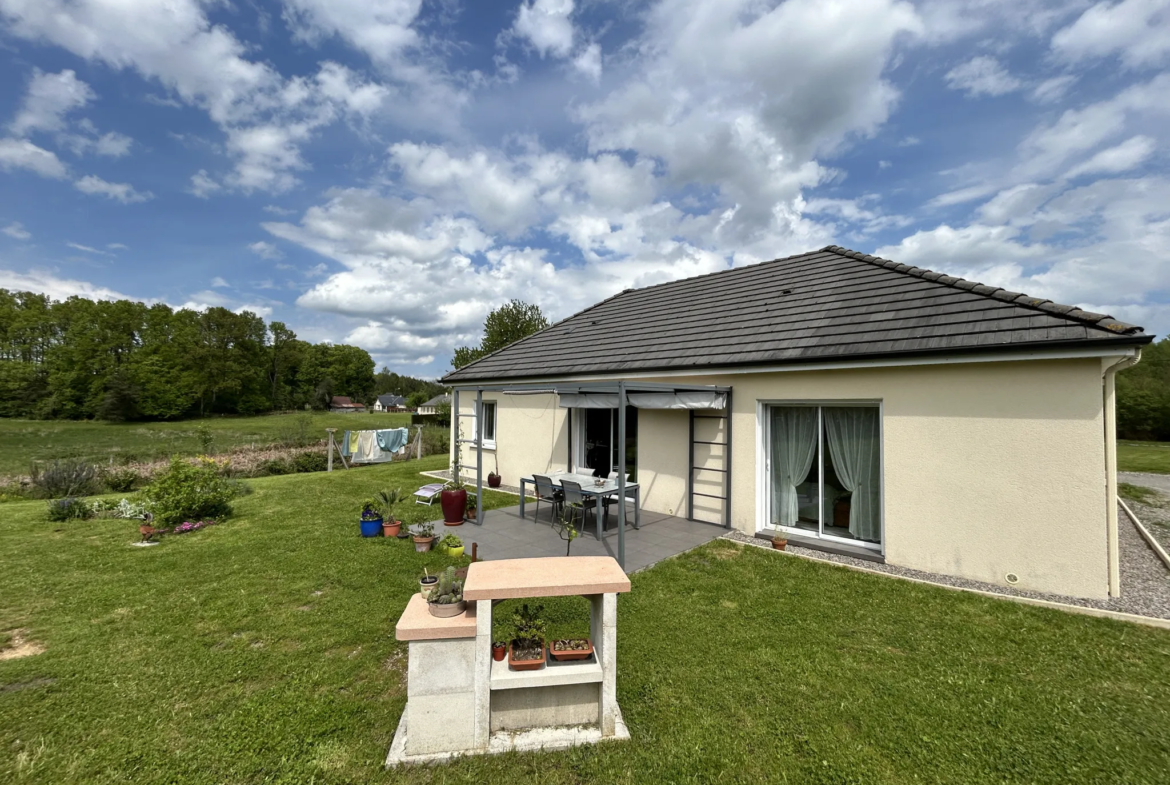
(764, 473)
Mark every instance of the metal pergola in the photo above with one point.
(620, 388)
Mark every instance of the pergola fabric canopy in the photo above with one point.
(645, 400)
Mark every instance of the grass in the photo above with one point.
(24, 441)
(1141, 494)
(1151, 457)
(262, 651)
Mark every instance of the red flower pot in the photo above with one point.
(494, 480)
(453, 504)
(499, 651)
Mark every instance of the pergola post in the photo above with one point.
(479, 457)
(457, 453)
(622, 474)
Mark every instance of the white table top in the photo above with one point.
(586, 481)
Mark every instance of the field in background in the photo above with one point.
(1153, 457)
(24, 441)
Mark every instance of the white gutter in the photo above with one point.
(1110, 405)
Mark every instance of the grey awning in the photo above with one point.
(646, 400)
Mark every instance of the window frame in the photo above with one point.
(489, 442)
(764, 469)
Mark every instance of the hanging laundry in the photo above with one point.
(367, 450)
(345, 445)
(394, 439)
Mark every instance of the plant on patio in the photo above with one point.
(499, 651)
(386, 500)
(471, 505)
(452, 545)
(566, 530)
(446, 599)
(526, 652)
(424, 535)
(371, 521)
(453, 498)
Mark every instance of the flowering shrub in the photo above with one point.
(123, 509)
(68, 509)
(190, 526)
(191, 492)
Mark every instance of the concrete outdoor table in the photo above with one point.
(460, 701)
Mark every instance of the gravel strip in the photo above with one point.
(1155, 519)
(1145, 582)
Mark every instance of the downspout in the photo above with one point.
(1110, 404)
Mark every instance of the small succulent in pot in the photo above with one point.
(499, 651)
(446, 599)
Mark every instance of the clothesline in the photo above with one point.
(375, 446)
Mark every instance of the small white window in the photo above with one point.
(489, 424)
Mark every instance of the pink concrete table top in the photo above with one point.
(553, 576)
(417, 623)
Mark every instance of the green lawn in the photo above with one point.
(1153, 457)
(22, 441)
(262, 651)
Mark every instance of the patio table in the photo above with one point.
(586, 481)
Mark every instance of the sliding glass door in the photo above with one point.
(824, 471)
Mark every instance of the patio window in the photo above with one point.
(824, 466)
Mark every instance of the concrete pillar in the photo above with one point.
(603, 631)
(483, 672)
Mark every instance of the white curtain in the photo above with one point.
(854, 446)
(794, 446)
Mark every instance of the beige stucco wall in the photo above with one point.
(989, 468)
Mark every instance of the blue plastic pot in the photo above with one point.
(372, 528)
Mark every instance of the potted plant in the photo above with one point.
(526, 652)
(446, 599)
(471, 506)
(424, 535)
(371, 518)
(570, 649)
(494, 479)
(386, 500)
(426, 582)
(452, 545)
(453, 500)
(499, 651)
(146, 528)
(779, 541)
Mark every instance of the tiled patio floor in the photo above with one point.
(505, 535)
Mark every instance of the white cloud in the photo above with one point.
(588, 61)
(275, 210)
(1137, 31)
(49, 98)
(121, 192)
(202, 185)
(1052, 90)
(23, 154)
(379, 28)
(265, 250)
(1125, 156)
(118, 246)
(982, 75)
(546, 25)
(111, 144)
(219, 283)
(16, 231)
(48, 283)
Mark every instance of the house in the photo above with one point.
(342, 404)
(390, 403)
(432, 406)
(852, 403)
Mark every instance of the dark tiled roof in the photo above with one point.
(828, 305)
(391, 400)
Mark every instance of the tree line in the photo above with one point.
(125, 360)
(1143, 395)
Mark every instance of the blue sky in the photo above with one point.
(384, 172)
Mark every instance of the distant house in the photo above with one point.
(390, 403)
(344, 405)
(432, 406)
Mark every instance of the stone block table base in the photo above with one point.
(461, 702)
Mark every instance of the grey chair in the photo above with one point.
(578, 502)
(546, 491)
(608, 500)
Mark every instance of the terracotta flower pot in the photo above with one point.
(779, 543)
(453, 504)
(494, 480)
(524, 665)
(391, 529)
(572, 654)
(499, 652)
(471, 513)
(423, 544)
